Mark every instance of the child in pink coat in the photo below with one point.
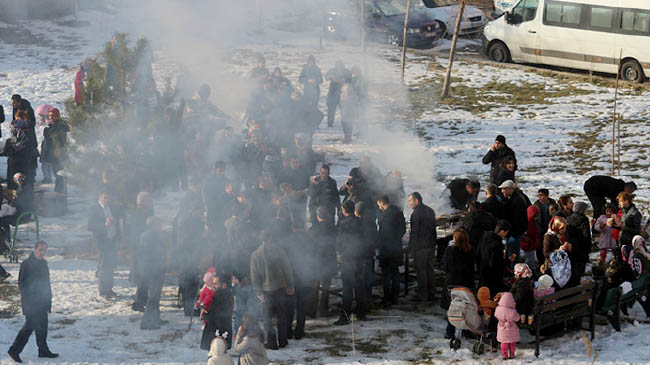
(507, 331)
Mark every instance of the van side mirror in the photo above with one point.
(508, 16)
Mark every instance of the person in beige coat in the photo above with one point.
(248, 343)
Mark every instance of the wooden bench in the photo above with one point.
(617, 302)
(564, 306)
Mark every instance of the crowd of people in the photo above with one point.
(263, 229)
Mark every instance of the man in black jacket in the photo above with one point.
(18, 103)
(104, 222)
(496, 154)
(491, 261)
(392, 227)
(349, 244)
(579, 235)
(153, 270)
(323, 234)
(369, 234)
(476, 223)
(517, 216)
(599, 187)
(216, 201)
(463, 192)
(298, 176)
(493, 203)
(36, 302)
(422, 243)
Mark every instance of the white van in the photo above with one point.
(582, 34)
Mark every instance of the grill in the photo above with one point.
(431, 27)
(475, 19)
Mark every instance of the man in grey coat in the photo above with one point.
(272, 279)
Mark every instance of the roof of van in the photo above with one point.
(628, 4)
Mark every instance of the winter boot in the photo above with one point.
(14, 356)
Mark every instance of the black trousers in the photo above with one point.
(390, 271)
(598, 204)
(333, 101)
(275, 303)
(142, 292)
(297, 308)
(151, 317)
(33, 322)
(320, 304)
(423, 261)
(3, 272)
(354, 286)
(189, 286)
(302, 299)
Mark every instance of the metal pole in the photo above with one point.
(452, 52)
(618, 75)
(406, 22)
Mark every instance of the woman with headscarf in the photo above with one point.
(579, 234)
(555, 239)
(311, 78)
(641, 251)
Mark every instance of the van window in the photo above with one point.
(635, 21)
(571, 14)
(525, 11)
(557, 12)
(601, 17)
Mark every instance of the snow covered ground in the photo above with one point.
(558, 132)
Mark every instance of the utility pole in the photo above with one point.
(406, 22)
(452, 52)
(363, 35)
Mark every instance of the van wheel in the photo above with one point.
(394, 40)
(632, 71)
(499, 52)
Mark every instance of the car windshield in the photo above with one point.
(390, 8)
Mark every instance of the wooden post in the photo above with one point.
(406, 22)
(363, 36)
(452, 51)
(618, 75)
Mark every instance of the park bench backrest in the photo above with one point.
(566, 302)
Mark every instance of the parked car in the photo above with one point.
(446, 11)
(384, 23)
(501, 6)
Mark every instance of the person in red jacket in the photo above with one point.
(532, 238)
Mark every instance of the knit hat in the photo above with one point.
(545, 281)
(207, 278)
(44, 109)
(500, 138)
(580, 207)
(355, 173)
(522, 271)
